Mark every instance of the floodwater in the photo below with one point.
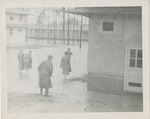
(65, 96)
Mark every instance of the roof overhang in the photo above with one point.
(88, 11)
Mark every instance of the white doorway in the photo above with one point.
(133, 69)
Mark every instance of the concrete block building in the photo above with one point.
(114, 48)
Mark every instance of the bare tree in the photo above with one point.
(39, 19)
(58, 14)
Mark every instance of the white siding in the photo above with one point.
(17, 37)
(16, 19)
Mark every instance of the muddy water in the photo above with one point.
(65, 96)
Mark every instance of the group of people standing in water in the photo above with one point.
(25, 61)
(45, 69)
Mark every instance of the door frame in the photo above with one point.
(126, 65)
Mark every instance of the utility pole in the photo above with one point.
(77, 31)
(26, 35)
(54, 27)
(63, 26)
(26, 29)
(36, 31)
(68, 27)
(81, 31)
(48, 29)
(73, 28)
(40, 29)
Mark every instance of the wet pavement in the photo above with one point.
(65, 96)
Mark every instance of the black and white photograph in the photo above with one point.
(74, 59)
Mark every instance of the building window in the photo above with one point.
(50, 31)
(76, 32)
(43, 30)
(11, 17)
(20, 17)
(36, 30)
(135, 58)
(108, 26)
(11, 31)
(139, 58)
(19, 29)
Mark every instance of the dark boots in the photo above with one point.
(46, 92)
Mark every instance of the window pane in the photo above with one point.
(132, 62)
(139, 63)
(43, 31)
(10, 33)
(133, 53)
(11, 18)
(139, 55)
(108, 26)
(11, 29)
(20, 17)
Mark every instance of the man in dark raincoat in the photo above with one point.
(30, 60)
(45, 70)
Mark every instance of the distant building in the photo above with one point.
(16, 25)
(114, 48)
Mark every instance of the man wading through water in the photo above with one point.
(45, 70)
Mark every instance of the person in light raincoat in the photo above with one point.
(65, 65)
(45, 71)
(69, 53)
(21, 59)
(28, 60)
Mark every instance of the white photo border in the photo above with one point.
(77, 3)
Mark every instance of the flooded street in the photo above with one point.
(65, 96)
